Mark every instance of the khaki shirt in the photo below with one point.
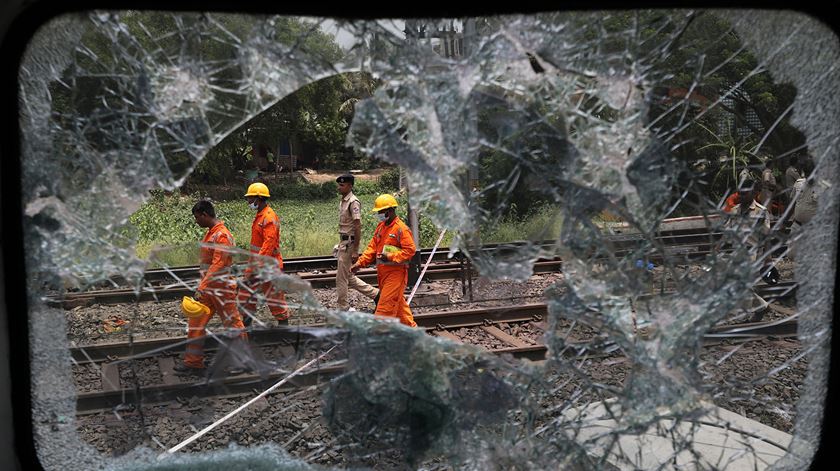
(756, 224)
(806, 195)
(349, 210)
(791, 175)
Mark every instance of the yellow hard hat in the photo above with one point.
(193, 308)
(384, 201)
(257, 189)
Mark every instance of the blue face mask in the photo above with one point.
(382, 216)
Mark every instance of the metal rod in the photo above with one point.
(243, 406)
(426, 266)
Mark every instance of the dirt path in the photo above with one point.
(330, 176)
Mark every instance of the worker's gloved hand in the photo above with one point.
(354, 258)
(770, 275)
(197, 295)
(355, 268)
(383, 257)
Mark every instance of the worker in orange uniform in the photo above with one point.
(733, 200)
(391, 248)
(217, 288)
(265, 248)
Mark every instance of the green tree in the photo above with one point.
(122, 60)
(705, 62)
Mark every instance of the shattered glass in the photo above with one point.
(614, 124)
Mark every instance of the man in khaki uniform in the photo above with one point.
(350, 231)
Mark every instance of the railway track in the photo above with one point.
(686, 244)
(107, 358)
(687, 238)
(674, 232)
(620, 242)
(435, 272)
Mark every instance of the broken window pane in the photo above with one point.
(664, 179)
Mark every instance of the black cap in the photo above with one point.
(346, 178)
(746, 185)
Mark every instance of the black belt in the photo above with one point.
(346, 237)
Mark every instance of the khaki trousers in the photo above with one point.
(345, 279)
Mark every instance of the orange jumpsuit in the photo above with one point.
(265, 243)
(218, 292)
(393, 274)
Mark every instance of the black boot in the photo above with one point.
(283, 322)
(770, 275)
(376, 300)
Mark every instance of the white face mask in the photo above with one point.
(253, 206)
(382, 216)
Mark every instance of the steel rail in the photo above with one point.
(324, 263)
(440, 271)
(433, 323)
(443, 271)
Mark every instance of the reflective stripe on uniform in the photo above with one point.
(215, 238)
(392, 263)
(399, 246)
(257, 248)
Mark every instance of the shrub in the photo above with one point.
(389, 181)
(367, 187)
(302, 191)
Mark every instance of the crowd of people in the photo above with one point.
(794, 200)
(235, 298)
(765, 206)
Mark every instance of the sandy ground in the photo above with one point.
(321, 177)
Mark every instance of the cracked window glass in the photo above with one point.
(616, 240)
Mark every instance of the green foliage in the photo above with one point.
(308, 226)
(168, 236)
(389, 181)
(709, 43)
(540, 223)
(317, 115)
(303, 191)
(507, 190)
(367, 187)
(731, 156)
(166, 220)
(429, 233)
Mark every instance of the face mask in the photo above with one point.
(382, 216)
(253, 206)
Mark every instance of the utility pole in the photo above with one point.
(453, 44)
(414, 225)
